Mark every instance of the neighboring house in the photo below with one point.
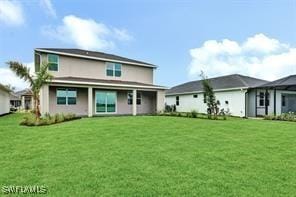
(26, 99)
(94, 83)
(230, 92)
(4, 100)
(275, 97)
(15, 100)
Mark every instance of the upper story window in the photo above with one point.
(113, 69)
(53, 61)
(37, 62)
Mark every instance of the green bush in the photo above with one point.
(47, 119)
(291, 116)
(193, 114)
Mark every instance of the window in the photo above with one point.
(194, 95)
(218, 102)
(130, 98)
(113, 69)
(226, 102)
(105, 102)
(205, 98)
(262, 99)
(53, 62)
(283, 101)
(177, 100)
(66, 96)
(37, 62)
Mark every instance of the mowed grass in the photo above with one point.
(151, 156)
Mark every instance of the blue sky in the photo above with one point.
(181, 37)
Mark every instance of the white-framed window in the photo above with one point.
(262, 99)
(66, 96)
(113, 69)
(130, 98)
(53, 62)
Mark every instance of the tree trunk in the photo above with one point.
(37, 108)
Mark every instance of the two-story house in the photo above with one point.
(94, 83)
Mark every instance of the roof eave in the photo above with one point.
(94, 58)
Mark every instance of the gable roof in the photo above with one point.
(94, 55)
(286, 81)
(234, 81)
(24, 92)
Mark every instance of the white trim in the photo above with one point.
(217, 90)
(98, 113)
(95, 58)
(108, 84)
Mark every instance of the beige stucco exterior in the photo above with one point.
(78, 67)
(95, 69)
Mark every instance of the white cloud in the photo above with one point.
(86, 33)
(259, 56)
(11, 12)
(8, 77)
(48, 7)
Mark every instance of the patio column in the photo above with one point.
(160, 100)
(134, 102)
(23, 102)
(44, 99)
(90, 102)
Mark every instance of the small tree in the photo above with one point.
(36, 82)
(209, 97)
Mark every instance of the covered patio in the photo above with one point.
(89, 97)
(276, 97)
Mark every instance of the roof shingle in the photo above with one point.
(223, 82)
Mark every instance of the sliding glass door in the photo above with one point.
(105, 102)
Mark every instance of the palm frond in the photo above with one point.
(21, 71)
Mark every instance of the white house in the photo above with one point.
(236, 94)
(4, 100)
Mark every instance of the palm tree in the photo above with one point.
(36, 82)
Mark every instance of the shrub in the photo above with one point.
(47, 119)
(291, 116)
(193, 114)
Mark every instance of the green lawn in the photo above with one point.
(150, 155)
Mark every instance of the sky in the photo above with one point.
(254, 38)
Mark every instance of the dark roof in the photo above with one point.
(223, 82)
(283, 82)
(88, 80)
(25, 92)
(95, 54)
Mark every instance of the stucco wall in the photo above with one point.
(4, 102)
(86, 68)
(187, 103)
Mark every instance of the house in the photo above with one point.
(230, 91)
(4, 100)
(275, 97)
(15, 101)
(90, 83)
(238, 95)
(26, 99)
